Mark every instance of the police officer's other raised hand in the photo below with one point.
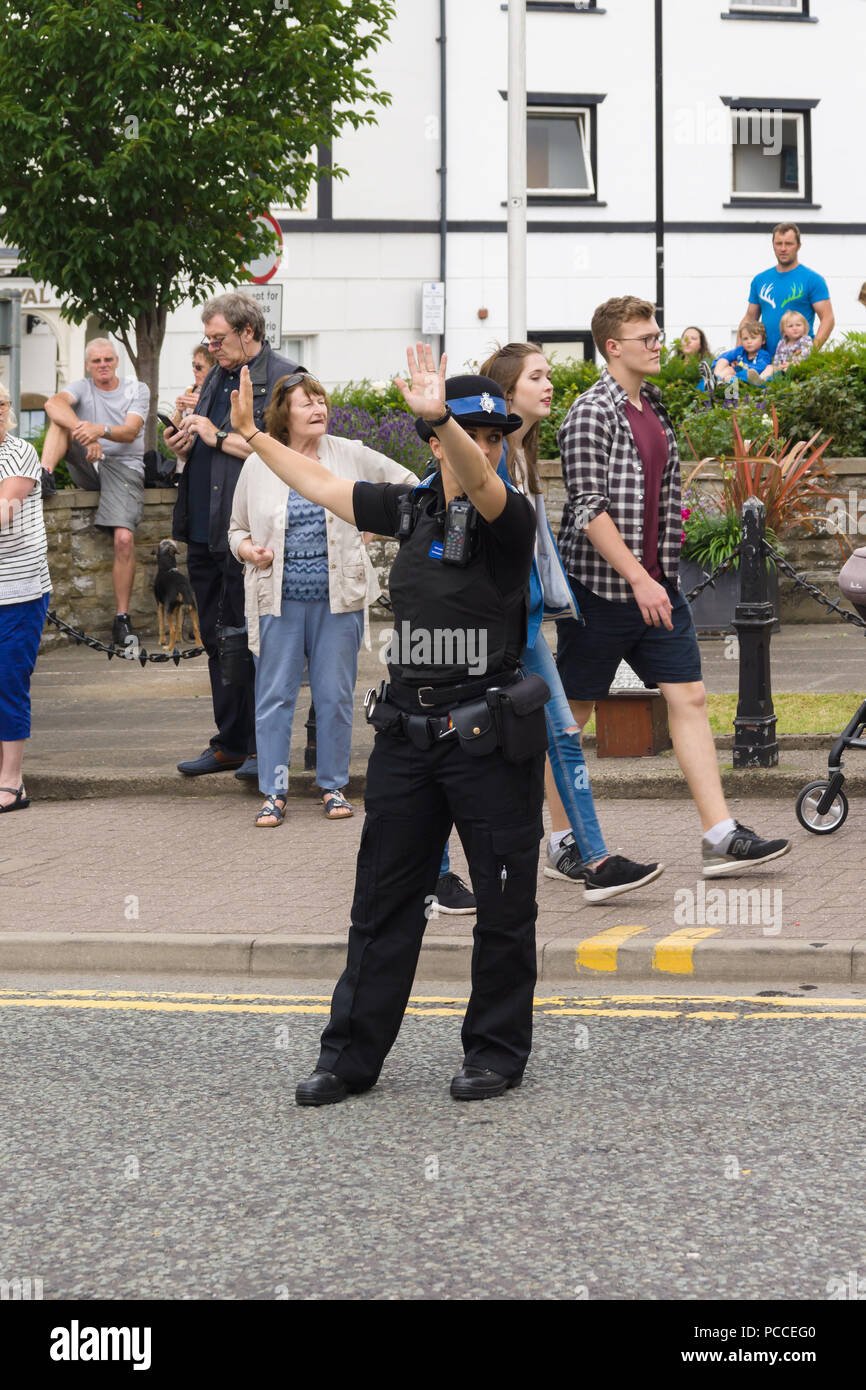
(304, 475)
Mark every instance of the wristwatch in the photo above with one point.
(220, 436)
(106, 433)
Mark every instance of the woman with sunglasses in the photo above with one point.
(307, 582)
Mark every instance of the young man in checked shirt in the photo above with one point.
(620, 544)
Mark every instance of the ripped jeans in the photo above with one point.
(566, 759)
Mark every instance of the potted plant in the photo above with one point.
(708, 537)
(791, 479)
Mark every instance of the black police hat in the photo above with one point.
(474, 400)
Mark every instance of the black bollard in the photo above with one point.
(755, 742)
(310, 750)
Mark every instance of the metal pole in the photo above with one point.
(443, 161)
(310, 750)
(755, 742)
(660, 168)
(13, 346)
(517, 171)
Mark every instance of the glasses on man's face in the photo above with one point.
(215, 343)
(649, 340)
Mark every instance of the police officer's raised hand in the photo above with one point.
(242, 405)
(425, 393)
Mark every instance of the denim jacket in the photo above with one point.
(550, 594)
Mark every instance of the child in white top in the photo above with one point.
(795, 343)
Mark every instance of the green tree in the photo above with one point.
(140, 138)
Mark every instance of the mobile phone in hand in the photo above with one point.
(166, 423)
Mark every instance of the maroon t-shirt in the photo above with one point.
(651, 443)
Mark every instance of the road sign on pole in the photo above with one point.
(265, 267)
(433, 306)
(271, 299)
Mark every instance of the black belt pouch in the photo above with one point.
(520, 709)
(476, 727)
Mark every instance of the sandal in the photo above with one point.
(21, 801)
(274, 809)
(337, 807)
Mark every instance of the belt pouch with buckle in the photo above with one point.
(520, 710)
(476, 727)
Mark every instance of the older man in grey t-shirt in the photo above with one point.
(97, 424)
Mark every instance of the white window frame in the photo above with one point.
(765, 7)
(779, 194)
(586, 143)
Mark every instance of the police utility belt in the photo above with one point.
(504, 711)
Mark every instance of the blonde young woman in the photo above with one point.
(307, 583)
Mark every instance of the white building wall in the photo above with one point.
(352, 293)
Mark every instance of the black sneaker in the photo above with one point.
(565, 862)
(617, 875)
(739, 852)
(452, 896)
(122, 634)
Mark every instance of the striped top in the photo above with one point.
(23, 544)
(305, 562)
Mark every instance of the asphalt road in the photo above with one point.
(151, 1149)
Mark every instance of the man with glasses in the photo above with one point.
(234, 327)
(620, 543)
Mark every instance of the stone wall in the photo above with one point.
(80, 562)
(80, 557)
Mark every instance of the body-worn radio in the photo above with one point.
(461, 522)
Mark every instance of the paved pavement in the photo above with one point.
(123, 863)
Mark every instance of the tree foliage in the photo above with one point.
(139, 138)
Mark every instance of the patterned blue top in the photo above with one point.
(305, 564)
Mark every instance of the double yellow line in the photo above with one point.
(706, 1008)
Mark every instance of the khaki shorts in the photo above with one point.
(121, 489)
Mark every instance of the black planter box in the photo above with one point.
(713, 610)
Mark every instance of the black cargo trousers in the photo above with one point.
(413, 798)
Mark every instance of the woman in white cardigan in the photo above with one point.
(307, 583)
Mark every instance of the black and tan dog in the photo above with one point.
(174, 596)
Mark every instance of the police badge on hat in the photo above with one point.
(487, 402)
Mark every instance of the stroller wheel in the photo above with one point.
(807, 809)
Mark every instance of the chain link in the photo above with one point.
(133, 653)
(711, 578)
(812, 589)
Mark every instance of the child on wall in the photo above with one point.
(795, 343)
(749, 360)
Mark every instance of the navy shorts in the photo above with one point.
(587, 657)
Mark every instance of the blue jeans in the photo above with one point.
(566, 759)
(331, 642)
(566, 756)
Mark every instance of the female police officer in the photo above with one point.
(458, 737)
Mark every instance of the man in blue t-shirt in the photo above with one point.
(789, 285)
